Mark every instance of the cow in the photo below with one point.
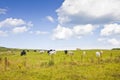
(41, 51)
(23, 52)
(98, 54)
(51, 52)
(70, 53)
(66, 51)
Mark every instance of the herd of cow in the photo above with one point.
(52, 51)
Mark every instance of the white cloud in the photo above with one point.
(3, 33)
(88, 11)
(15, 25)
(110, 29)
(40, 32)
(82, 16)
(82, 30)
(3, 11)
(77, 31)
(29, 24)
(20, 29)
(50, 19)
(62, 33)
(12, 22)
(110, 41)
(114, 42)
(101, 39)
(111, 33)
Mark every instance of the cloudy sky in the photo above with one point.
(60, 24)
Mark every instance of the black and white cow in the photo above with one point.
(51, 52)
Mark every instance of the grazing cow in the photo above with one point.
(42, 51)
(65, 51)
(70, 53)
(23, 53)
(51, 52)
(98, 54)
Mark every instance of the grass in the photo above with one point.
(36, 66)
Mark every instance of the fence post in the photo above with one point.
(25, 63)
(6, 63)
(0, 60)
(111, 56)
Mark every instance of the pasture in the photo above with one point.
(36, 66)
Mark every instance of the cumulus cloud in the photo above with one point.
(50, 18)
(29, 24)
(62, 33)
(76, 31)
(88, 11)
(40, 32)
(82, 30)
(15, 25)
(82, 16)
(12, 22)
(3, 33)
(20, 29)
(3, 11)
(110, 41)
(110, 29)
(114, 42)
(101, 39)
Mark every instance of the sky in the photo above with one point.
(60, 24)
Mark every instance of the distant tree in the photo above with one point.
(3, 49)
(27, 50)
(116, 49)
(35, 50)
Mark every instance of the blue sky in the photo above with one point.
(60, 24)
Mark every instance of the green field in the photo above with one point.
(36, 66)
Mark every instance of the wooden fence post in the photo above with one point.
(0, 60)
(6, 63)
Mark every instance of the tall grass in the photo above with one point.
(36, 66)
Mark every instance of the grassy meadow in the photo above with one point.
(37, 66)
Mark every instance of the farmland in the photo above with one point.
(36, 66)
